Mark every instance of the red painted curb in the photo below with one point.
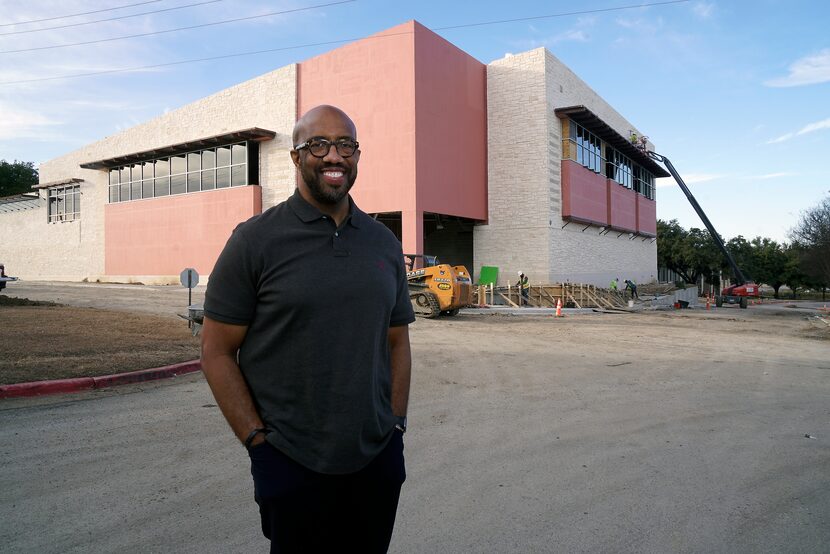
(61, 386)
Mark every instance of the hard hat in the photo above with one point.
(520, 273)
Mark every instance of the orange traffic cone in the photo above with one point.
(559, 307)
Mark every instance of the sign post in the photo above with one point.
(189, 278)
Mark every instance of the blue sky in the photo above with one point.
(735, 93)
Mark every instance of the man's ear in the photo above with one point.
(295, 157)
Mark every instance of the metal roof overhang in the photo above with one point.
(58, 183)
(254, 133)
(593, 123)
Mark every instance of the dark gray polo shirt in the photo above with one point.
(318, 302)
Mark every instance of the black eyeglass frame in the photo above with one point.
(337, 144)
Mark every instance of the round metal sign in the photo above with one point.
(189, 278)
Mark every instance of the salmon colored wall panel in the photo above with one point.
(646, 216)
(372, 80)
(451, 123)
(622, 207)
(584, 194)
(162, 236)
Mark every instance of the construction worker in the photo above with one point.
(613, 286)
(524, 287)
(632, 286)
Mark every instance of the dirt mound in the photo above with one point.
(14, 301)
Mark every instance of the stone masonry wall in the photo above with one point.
(577, 255)
(524, 231)
(516, 236)
(34, 249)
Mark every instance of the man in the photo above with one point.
(306, 349)
(524, 287)
(632, 286)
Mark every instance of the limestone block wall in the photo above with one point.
(517, 234)
(525, 227)
(75, 250)
(578, 256)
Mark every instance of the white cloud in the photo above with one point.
(691, 178)
(703, 9)
(809, 70)
(809, 128)
(777, 175)
(571, 34)
(21, 123)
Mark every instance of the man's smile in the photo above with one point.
(333, 176)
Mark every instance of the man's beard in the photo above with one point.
(325, 194)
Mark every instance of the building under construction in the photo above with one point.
(516, 164)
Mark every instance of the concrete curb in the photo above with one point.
(61, 386)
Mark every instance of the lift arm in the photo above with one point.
(739, 275)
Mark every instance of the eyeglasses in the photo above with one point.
(319, 147)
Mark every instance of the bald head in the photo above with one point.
(306, 126)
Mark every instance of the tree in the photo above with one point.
(17, 177)
(770, 263)
(690, 254)
(812, 235)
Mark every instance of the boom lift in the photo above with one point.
(743, 287)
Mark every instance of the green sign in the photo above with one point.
(489, 275)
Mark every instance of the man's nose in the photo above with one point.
(333, 155)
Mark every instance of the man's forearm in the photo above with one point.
(232, 394)
(400, 355)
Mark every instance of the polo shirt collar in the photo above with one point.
(308, 213)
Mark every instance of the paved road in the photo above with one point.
(672, 432)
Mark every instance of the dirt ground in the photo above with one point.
(44, 340)
(55, 342)
(673, 431)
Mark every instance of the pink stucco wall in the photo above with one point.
(372, 80)
(391, 84)
(451, 120)
(584, 194)
(163, 236)
(622, 207)
(646, 216)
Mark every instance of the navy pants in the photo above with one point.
(305, 511)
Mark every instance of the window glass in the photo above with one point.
(208, 180)
(147, 188)
(113, 194)
(69, 203)
(178, 164)
(223, 177)
(238, 154)
(178, 184)
(162, 167)
(113, 176)
(193, 182)
(208, 159)
(223, 156)
(135, 172)
(125, 174)
(238, 176)
(194, 161)
(135, 190)
(65, 203)
(147, 170)
(125, 191)
(161, 187)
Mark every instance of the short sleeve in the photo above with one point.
(231, 294)
(402, 313)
